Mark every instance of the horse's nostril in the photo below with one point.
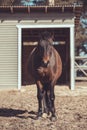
(45, 63)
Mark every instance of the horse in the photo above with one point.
(45, 67)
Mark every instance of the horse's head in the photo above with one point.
(45, 52)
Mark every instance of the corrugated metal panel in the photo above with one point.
(8, 55)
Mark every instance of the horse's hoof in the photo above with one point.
(44, 115)
(53, 118)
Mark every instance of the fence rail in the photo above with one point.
(81, 68)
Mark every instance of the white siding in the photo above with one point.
(8, 55)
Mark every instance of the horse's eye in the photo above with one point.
(41, 50)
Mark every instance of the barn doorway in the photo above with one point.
(69, 48)
(30, 37)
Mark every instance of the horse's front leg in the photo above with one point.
(52, 99)
(40, 98)
(45, 108)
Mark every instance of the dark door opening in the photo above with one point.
(30, 38)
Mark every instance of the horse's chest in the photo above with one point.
(44, 74)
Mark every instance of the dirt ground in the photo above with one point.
(18, 109)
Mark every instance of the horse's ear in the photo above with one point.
(40, 36)
(38, 42)
(46, 35)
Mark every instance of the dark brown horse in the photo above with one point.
(45, 67)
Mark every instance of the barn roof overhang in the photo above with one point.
(45, 9)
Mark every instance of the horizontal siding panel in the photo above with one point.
(9, 36)
(7, 63)
(4, 68)
(8, 28)
(8, 25)
(6, 46)
(4, 57)
(4, 41)
(8, 55)
(8, 51)
(6, 86)
(2, 25)
(8, 32)
(5, 71)
(9, 43)
(9, 77)
(10, 22)
(8, 80)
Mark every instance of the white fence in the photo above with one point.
(81, 68)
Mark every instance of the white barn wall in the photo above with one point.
(8, 55)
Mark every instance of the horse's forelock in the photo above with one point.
(46, 35)
(45, 43)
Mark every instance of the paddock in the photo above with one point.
(18, 109)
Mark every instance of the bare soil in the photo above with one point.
(18, 109)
